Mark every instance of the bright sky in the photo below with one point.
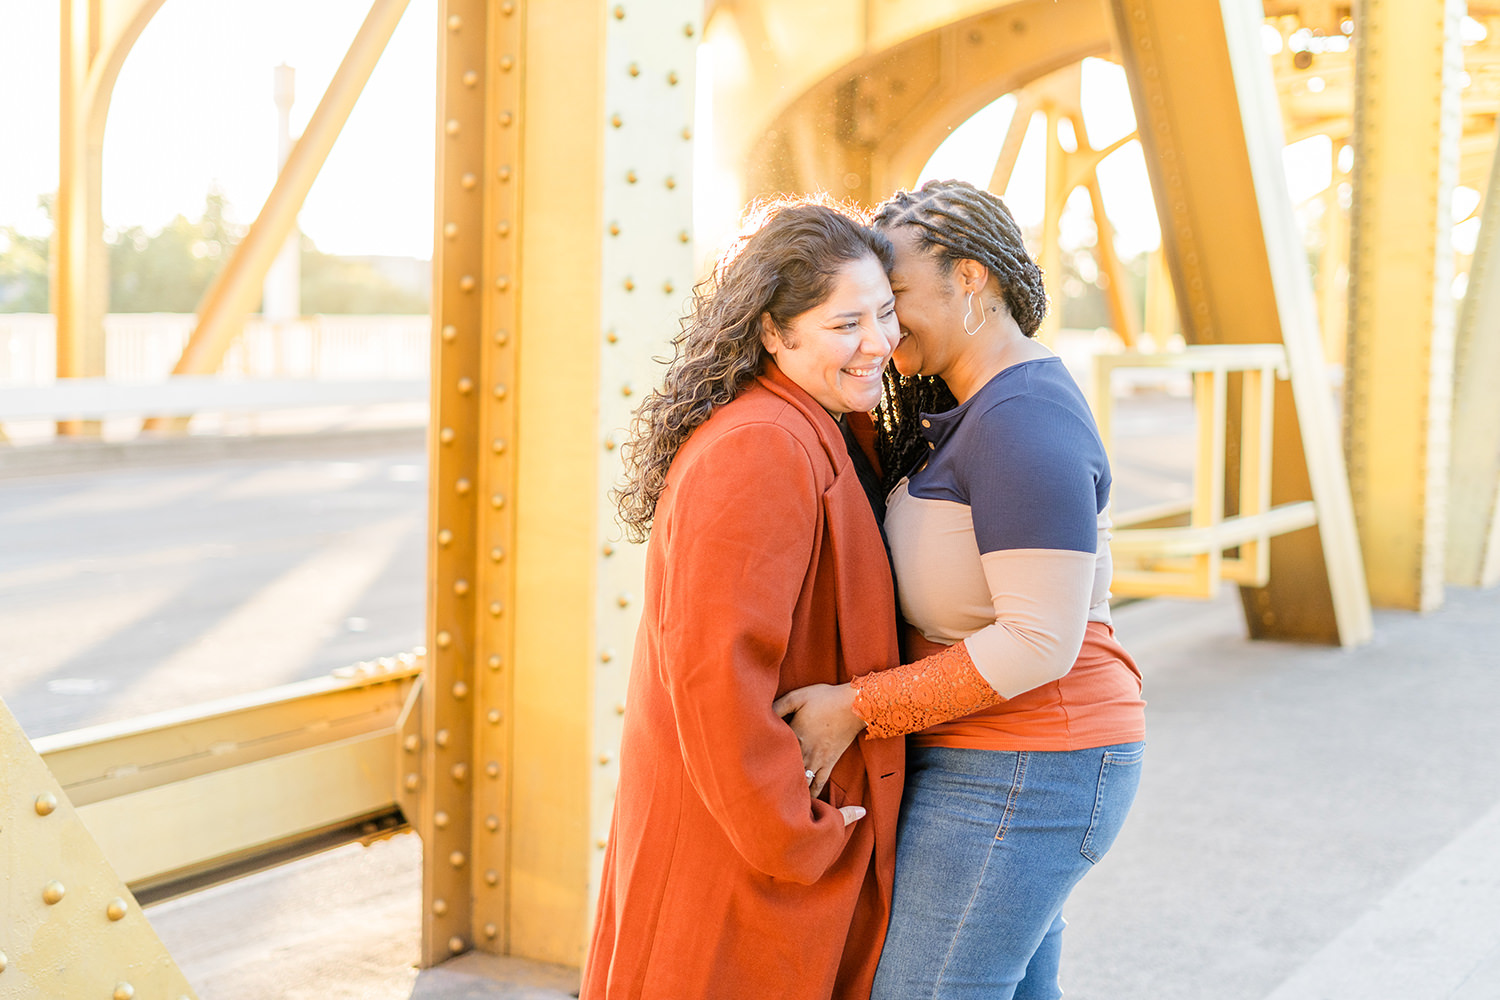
(193, 107)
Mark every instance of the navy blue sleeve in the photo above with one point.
(1035, 475)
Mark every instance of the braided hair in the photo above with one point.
(953, 221)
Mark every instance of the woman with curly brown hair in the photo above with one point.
(765, 571)
(1028, 724)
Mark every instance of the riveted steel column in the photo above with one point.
(563, 262)
(461, 655)
(1474, 477)
(72, 929)
(1210, 129)
(1398, 401)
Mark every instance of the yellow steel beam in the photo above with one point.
(562, 263)
(1398, 396)
(95, 37)
(1211, 131)
(72, 928)
(1474, 483)
(221, 314)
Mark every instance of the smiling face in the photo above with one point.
(929, 304)
(835, 351)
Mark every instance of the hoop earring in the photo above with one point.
(970, 309)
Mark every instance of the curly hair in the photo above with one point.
(954, 221)
(784, 262)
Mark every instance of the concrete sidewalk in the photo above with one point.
(1314, 824)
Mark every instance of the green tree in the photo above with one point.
(333, 284)
(169, 271)
(24, 282)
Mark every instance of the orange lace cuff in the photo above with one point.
(917, 695)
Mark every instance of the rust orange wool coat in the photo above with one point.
(765, 572)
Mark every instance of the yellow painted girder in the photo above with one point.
(1399, 377)
(72, 928)
(1474, 476)
(1211, 131)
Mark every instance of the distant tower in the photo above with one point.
(283, 288)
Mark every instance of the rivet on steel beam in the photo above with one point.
(601, 843)
(502, 228)
(620, 708)
(455, 944)
(455, 22)
(684, 237)
(412, 743)
(507, 8)
(468, 181)
(667, 287)
(460, 771)
(460, 587)
(498, 446)
(497, 554)
(492, 823)
(53, 892)
(672, 75)
(619, 13)
(497, 501)
(117, 909)
(450, 333)
(496, 609)
(612, 337)
(466, 283)
(45, 803)
(490, 930)
(444, 640)
(452, 126)
(500, 390)
(609, 444)
(503, 173)
(507, 63)
(450, 230)
(494, 716)
(492, 769)
(671, 183)
(412, 780)
(440, 820)
(465, 385)
(603, 759)
(506, 118)
(439, 906)
(502, 337)
(460, 690)
(471, 78)
(616, 120)
(606, 655)
(456, 859)
(614, 229)
(444, 537)
(623, 600)
(634, 69)
(491, 877)
(687, 133)
(627, 389)
(608, 549)
(630, 177)
(502, 283)
(441, 737)
(123, 991)
(630, 284)
(446, 435)
(462, 486)
(687, 29)
(495, 661)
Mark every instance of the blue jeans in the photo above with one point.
(990, 844)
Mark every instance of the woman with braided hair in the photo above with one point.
(1025, 713)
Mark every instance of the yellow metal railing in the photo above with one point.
(1186, 550)
(187, 798)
